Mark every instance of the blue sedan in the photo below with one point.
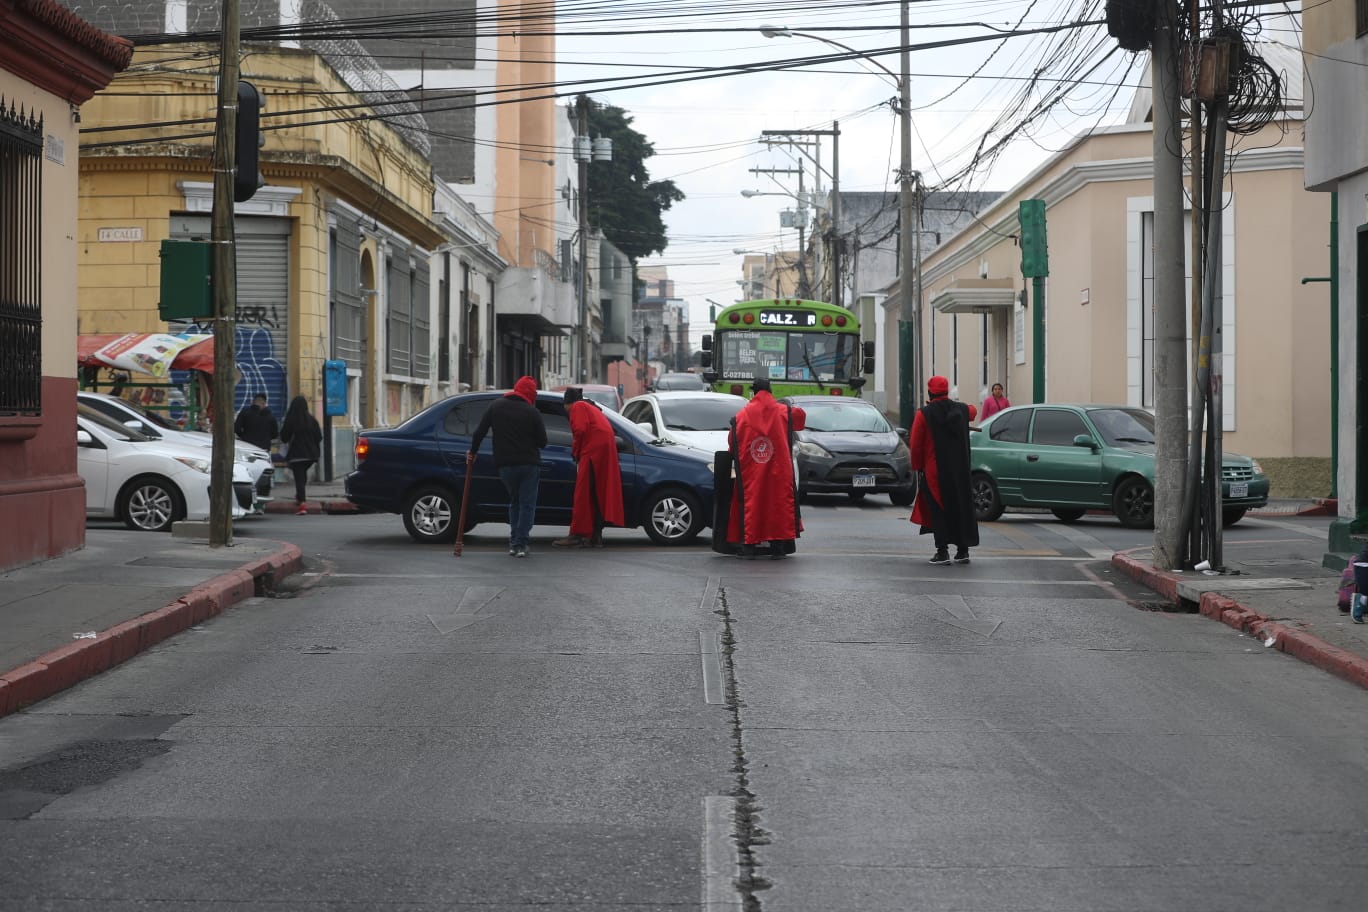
(418, 471)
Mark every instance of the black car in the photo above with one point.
(418, 470)
(850, 448)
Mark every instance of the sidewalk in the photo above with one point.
(1284, 603)
(73, 617)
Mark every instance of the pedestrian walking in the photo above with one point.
(519, 437)
(997, 401)
(764, 495)
(940, 452)
(255, 423)
(598, 477)
(303, 439)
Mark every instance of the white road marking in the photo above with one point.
(1090, 544)
(710, 651)
(721, 864)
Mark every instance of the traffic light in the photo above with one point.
(247, 142)
(1035, 254)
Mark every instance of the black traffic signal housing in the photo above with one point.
(247, 143)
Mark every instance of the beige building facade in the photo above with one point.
(1335, 46)
(977, 327)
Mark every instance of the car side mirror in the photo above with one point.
(646, 426)
(133, 423)
(83, 438)
(1083, 440)
(902, 433)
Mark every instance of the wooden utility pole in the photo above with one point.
(224, 240)
(1170, 329)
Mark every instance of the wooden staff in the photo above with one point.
(460, 525)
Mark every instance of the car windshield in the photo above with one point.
(680, 382)
(1124, 427)
(702, 414)
(110, 425)
(606, 398)
(824, 416)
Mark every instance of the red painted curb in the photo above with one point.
(1296, 643)
(55, 671)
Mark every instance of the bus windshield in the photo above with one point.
(746, 354)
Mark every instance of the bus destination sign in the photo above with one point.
(788, 318)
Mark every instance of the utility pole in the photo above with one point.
(833, 211)
(1170, 336)
(837, 242)
(582, 157)
(224, 241)
(909, 244)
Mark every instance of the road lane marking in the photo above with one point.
(721, 861)
(467, 610)
(710, 651)
(963, 616)
(1088, 544)
(710, 648)
(1013, 532)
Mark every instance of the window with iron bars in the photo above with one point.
(21, 315)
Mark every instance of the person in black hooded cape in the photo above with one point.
(940, 452)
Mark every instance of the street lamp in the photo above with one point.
(909, 199)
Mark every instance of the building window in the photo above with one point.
(21, 312)
(1360, 17)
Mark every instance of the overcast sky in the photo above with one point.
(706, 132)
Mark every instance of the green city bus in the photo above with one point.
(802, 347)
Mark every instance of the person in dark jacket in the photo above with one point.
(304, 444)
(255, 423)
(940, 452)
(519, 436)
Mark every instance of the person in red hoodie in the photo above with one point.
(598, 481)
(764, 502)
(940, 452)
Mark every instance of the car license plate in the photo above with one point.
(1239, 489)
(864, 481)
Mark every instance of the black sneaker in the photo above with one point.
(941, 556)
(522, 552)
(962, 556)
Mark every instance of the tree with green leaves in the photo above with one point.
(624, 203)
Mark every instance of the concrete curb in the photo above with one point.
(1296, 643)
(68, 665)
(330, 507)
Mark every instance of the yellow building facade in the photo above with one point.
(333, 251)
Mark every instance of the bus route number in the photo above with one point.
(787, 318)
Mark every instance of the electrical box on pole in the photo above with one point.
(247, 143)
(186, 281)
(1035, 255)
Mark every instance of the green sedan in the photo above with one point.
(1073, 458)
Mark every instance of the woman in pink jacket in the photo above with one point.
(995, 403)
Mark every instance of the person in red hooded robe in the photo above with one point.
(764, 498)
(939, 442)
(598, 482)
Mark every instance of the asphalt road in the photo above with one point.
(646, 728)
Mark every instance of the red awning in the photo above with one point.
(199, 356)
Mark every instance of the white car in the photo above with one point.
(149, 484)
(151, 424)
(694, 418)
